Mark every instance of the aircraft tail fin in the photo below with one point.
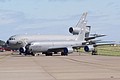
(82, 19)
(75, 30)
(81, 35)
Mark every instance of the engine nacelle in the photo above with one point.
(68, 50)
(89, 48)
(22, 50)
(74, 31)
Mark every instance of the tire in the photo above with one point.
(48, 54)
(64, 54)
(94, 52)
(32, 54)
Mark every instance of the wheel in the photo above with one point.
(55, 52)
(48, 54)
(43, 52)
(64, 54)
(32, 54)
(94, 52)
(25, 54)
(20, 53)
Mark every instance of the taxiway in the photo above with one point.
(73, 67)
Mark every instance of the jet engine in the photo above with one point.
(89, 48)
(76, 30)
(68, 50)
(22, 50)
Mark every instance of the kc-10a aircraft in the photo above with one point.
(18, 42)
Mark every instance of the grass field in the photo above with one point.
(107, 50)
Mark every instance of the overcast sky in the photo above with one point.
(56, 16)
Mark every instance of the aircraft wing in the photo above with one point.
(60, 49)
(102, 44)
(69, 48)
(56, 47)
(93, 37)
(96, 43)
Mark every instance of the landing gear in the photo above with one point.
(94, 52)
(20, 53)
(28, 53)
(64, 54)
(48, 53)
(32, 54)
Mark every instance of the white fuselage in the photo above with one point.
(44, 46)
(17, 41)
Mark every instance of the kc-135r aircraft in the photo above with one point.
(21, 42)
(63, 46)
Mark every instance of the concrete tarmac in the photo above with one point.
(73, 67)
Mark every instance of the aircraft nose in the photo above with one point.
(11, 42)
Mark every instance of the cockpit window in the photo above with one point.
(28, 44)
(11, 38)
